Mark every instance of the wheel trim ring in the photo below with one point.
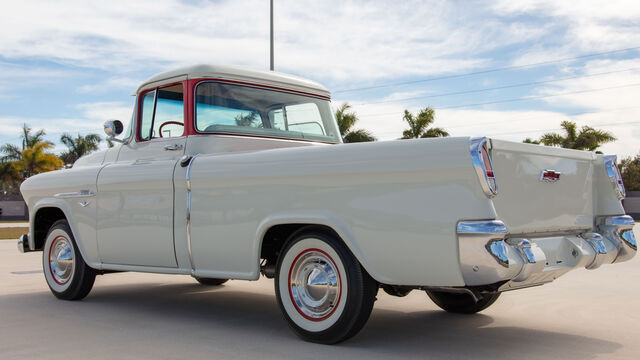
(293, 301)
(54, 244)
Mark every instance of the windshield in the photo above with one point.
(237, 109)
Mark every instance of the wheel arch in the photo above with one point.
(273, 233)
(44, 214)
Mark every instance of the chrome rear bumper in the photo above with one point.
(488, 255)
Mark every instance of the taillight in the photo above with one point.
(614, 175)
(483, 165)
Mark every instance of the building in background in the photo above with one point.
(13, 207)
(632, 204)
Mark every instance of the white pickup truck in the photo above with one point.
(227, 173)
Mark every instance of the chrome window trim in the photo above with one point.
(475, 148)
(613, 172)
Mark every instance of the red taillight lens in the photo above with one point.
(487, 163)
(481, 159)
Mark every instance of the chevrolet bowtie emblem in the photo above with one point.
(549, 175)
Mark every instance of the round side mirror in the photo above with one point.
(113, 128)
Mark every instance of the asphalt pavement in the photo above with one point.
(586, 314)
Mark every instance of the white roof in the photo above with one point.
(237, 73)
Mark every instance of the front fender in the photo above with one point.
(87, 247)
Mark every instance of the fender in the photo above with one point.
(61, 204)
(314, 218)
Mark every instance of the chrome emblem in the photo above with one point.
(549, 175)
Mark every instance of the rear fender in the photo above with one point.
(313, 218)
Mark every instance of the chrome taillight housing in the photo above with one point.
(614, 175)
(482, 163)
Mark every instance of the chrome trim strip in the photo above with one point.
(75, 194)
(481, 227)
(623, 220)
(188, 178)
(475, 148)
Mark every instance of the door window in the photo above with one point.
(162, 113)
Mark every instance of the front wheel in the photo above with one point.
(323, 292)
(67, 275)
(461, 303)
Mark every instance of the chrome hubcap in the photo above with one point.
(314, 282)
(61, 261)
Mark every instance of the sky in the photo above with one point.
(505, 69)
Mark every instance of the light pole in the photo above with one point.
(271, 66)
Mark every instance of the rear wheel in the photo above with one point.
(67, 275)
(461, 303)
(211, 281)
(323, 292)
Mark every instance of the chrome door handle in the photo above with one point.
(173, 147)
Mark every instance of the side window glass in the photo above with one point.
(162, 113)
(147, 103)
(168, 120)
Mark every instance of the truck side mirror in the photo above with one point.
(113, 128)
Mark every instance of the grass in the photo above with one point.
(12, 232)
(13, 221)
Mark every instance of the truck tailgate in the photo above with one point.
(528, 204)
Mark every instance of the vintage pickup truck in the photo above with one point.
(227, 173)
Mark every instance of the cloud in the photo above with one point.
(385, 122)
(590, 25)
(90, 120)
(12, 77)
(112, 83)
(356, 41)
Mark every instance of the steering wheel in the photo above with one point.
(168, 123)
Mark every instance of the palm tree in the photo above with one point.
(78, 146)
(531, 141)
(10, 177)
(12, 152)
(36, 160)
(346, 120)
(419, 125)
(587, 138)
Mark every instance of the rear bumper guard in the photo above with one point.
(489, 255)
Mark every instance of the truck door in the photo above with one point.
(135, 194)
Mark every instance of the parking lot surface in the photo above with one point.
(583, 315)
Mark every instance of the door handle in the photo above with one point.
(172, 147)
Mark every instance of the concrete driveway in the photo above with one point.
(583, 315)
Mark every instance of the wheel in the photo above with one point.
(67, 275)
(461, 303)
(211, 281)
(323, 292)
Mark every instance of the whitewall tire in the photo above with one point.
(66, 273)
(323, 292)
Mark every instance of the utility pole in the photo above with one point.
(271, 67)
